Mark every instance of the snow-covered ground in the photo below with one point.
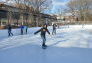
(70, 45)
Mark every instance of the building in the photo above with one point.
(16, 16)
(66, 18)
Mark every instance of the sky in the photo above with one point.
(2, 0)
(57, 6)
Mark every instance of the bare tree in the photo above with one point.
(38, 6)
(83, 8)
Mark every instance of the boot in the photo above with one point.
(44, 45)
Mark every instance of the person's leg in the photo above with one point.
(9, 33)
(55, 31)
(26, 31)
(21, 31)
(44, 40)
(12, 34)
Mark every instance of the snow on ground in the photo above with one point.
(70, 45)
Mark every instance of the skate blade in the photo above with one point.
(44, 47)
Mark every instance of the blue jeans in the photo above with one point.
(21, 31)
(54, 31)
(10, 33)
(43, 38)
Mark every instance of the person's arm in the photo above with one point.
(48, 31)
(37, 31)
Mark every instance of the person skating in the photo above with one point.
(22, 28)
(43, 31)
(54, 29)
(26, 27)
(9, 30)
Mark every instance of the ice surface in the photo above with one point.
(70, 45)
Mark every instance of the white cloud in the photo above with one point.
(59, 3)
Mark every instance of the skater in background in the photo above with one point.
(43, 31)
(54, 29)
(22, 29)
(26, 28)
(10, 30)
(58, 26)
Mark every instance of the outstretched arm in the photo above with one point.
(37, 31)
(48, 31)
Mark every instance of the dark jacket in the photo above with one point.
(43, 31)
(9, 27)
(54, 26)
(22, 27)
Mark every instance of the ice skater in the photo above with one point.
(10, 30)
(54, 29)
(43, 31)
(22, 29)
(26, 27)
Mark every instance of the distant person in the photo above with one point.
(58, 26)
(22, 29)
(54, 29)
(26, 28)
(43, 31)
(9, 30)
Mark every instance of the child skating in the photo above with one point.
(43, 31)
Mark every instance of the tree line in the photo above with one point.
(29, 6)
(81, 9)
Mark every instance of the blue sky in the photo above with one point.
(59, 4)
(2, 0)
